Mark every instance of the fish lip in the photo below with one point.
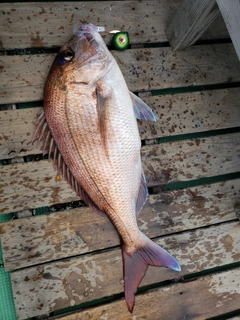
(79, 29)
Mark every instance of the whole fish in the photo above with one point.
(90, 131)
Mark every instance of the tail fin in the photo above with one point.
(135, 266)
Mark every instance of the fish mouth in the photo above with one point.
(79, 30)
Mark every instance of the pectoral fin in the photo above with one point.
(104, 96)
(141, 109)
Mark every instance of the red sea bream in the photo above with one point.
(90, 130)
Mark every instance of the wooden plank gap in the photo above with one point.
(16, 159)
(137, 45)
(23, 214)
(45, 316)
(144, 94)
(12, 106)
(237, 210)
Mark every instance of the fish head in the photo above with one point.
(79, 59)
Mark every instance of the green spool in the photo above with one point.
(120, 40)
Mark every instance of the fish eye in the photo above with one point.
(68, 55)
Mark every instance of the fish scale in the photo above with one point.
(90, 129)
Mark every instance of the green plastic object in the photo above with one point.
(120, 40)
(7, 308)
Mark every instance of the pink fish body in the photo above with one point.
(90, 128)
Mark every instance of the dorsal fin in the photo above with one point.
(43, 134)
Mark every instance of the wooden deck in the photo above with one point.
(66, 263)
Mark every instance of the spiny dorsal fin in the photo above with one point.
(43, 134)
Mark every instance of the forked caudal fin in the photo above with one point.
(135, 266)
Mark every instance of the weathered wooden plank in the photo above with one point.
(52, 286)
(23, 77)
(39, 239)
(191, 112)
(191, 159)
(193, 17)
(230, 11)
(24, 186)
(177, 114)
(16, 131)
(32, 185)
(51, 24)
(47, 24)
(204, 298)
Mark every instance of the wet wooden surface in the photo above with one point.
(70, 257)
(48, 24)
(77, 231)
(35, 184)
(203, 298)
(23, 76)
(73, 281)
(177, 114)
